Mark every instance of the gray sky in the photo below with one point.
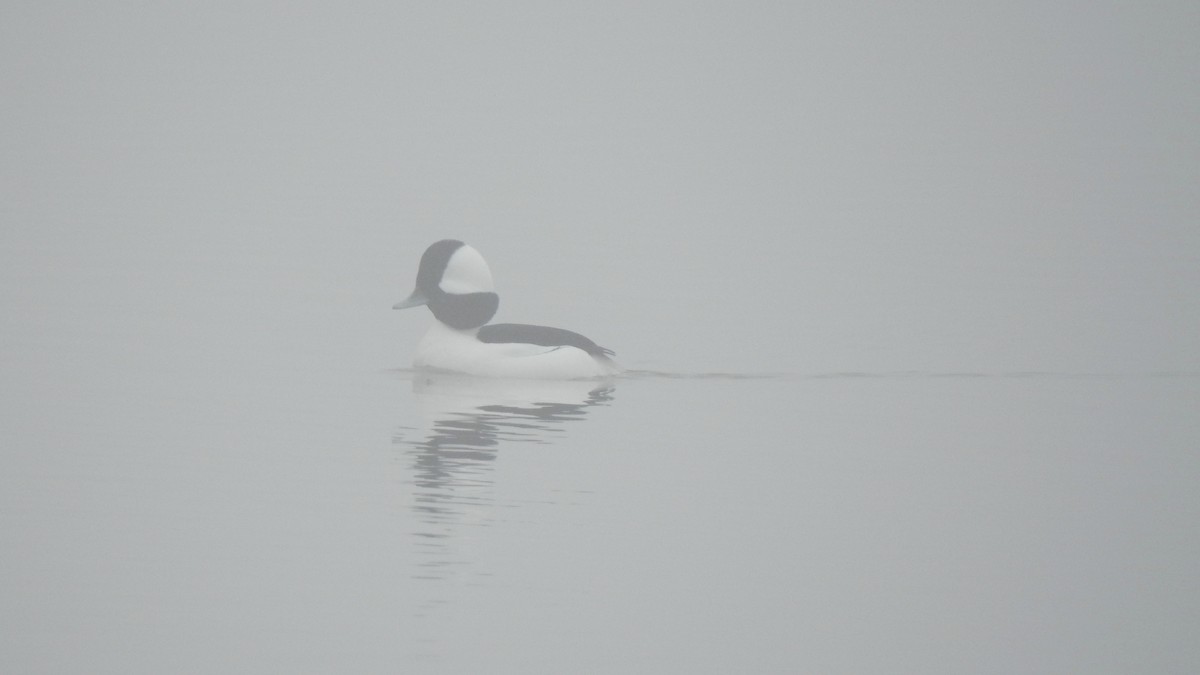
(738, 186)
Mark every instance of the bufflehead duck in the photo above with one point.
(454, 281)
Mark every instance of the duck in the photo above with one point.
(455, 283)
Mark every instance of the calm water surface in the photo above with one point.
(390, 519)
(339, 520)
(898, 523)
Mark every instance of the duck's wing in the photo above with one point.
(544, 336)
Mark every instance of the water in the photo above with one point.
(807, 524)
(378, 520)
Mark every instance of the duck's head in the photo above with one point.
(456, 284)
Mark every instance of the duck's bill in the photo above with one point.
(415, 300)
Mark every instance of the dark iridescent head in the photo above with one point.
(456, 284)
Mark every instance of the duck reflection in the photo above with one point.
(464, 421)
(468, 418)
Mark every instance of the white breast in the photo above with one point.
(459, 351)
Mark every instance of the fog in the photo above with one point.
(208, 211)
(860, 188)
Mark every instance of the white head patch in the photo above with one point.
(466, 272)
